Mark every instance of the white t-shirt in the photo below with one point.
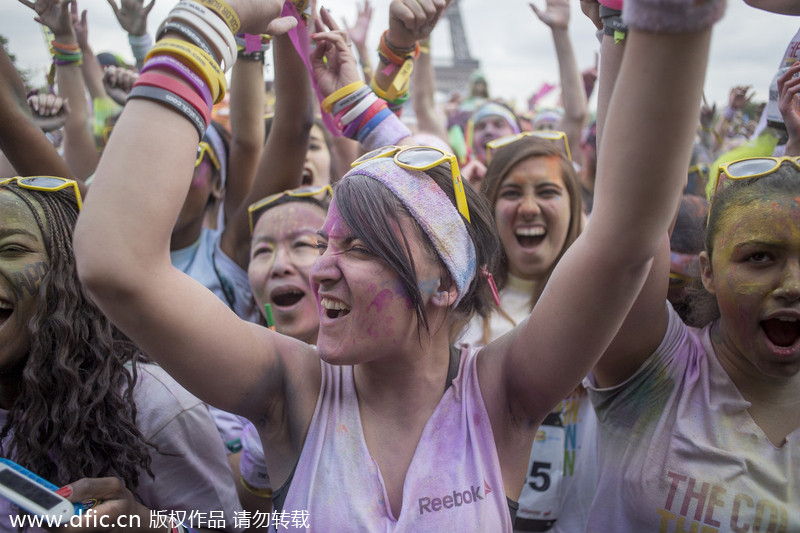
(191, 470)
(680, 452)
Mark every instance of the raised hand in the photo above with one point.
(413, 20)
(738, 97)
(555, 15)
(132, 15)
(54, 14)
(118, 82)
(49, 111)
(358, 31)
(333, 64)
(789, 106)
(79, 24)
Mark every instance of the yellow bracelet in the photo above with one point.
(337, 95)
(261, 493)
(392, 94)
(399, 86)
(204, 65)
(225, 11)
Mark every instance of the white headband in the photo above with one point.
(434, 212)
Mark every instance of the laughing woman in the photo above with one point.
(382, 426)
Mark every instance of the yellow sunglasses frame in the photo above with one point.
(302, 192)
(65, 182)
(496, 144)
(445, 157)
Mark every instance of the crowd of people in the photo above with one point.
(230, 308)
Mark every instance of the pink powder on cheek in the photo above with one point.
(381, 300)
(335, 226)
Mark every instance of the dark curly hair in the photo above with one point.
(75, 416)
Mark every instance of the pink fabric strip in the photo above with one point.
(301, 42)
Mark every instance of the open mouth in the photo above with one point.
(307, 178)
(782, 332)
(286, 297)
(334, 309)
(530, 237)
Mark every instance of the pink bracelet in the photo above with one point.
(672, 16)
(173, 65)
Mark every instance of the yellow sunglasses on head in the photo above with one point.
(256, 209)
(422, 158)
(47, 184)
(752, 167)
(549, 135)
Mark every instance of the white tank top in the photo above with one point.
(453, 483)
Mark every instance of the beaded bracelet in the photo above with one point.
(177, 103)
(203, 64)
(193, 37)
(171, 64)
(210, 26)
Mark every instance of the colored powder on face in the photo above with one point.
(381, 300)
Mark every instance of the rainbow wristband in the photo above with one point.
(177, 103)
(171, 64)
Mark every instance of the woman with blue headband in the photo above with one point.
(381, 425)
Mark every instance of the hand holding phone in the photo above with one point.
(33, 493)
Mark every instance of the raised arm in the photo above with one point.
(132, 17)
(80, 151)
(122, 252)
(573, 92)
(280, 166)
(789, 106)
(423, 88)
(639, 181)
(22, 142)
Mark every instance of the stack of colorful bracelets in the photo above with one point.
(209, 27)
(399, 63)
(66, 54)
(356, 110)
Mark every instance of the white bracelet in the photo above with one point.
(211, 26)
(359, 109)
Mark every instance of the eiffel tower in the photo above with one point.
(455, 75)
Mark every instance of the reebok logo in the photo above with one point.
(456, 499)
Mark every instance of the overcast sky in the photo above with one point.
(514, 48)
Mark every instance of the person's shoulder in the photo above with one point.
(155, 387)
